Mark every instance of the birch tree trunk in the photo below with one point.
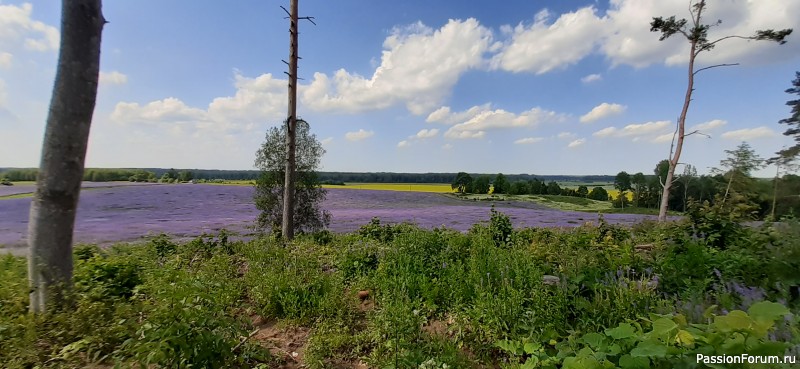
(52, 214)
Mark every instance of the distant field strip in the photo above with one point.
(412, 187)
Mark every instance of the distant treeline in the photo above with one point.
(103, 175)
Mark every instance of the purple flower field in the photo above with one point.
(128, 213)
(29, 188)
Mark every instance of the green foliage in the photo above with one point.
(548, 297)
(663, 341)
(142, 176)
(309, 216)
(462, 183)
(553, 188)
(482, 184)
(599, 194)
(719, 224)
(500, 227)
(501, 184)
(793, 121)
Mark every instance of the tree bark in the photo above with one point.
(673, 161)
(287, 226)
(52, 214)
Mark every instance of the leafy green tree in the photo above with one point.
(185, 176)
(309, 215)
(689, 174)
(639, 183)
(739, 164)
(793, 121)
(501, 184)
(697, 35)
(622, 182)
(599, 193)
(583, 191)
(520, 188)
(783, 164)
(553, 188)
(537, 187)
(462, 182)
(482, 184)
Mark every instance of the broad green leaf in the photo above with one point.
(624, 330)
(530, 363)
(649, 349)
(684, 338)
(767, 310)
(663, 326)
(734, 344)
(594, 340)
(532, 347)
(586, 362)
(769, 348)
(630, 362)
(735, 321)
(512, 347)
(761, 327)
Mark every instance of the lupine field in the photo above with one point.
(127, 211)
(404, 280)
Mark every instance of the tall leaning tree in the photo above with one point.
(52, 215)
(696, 33)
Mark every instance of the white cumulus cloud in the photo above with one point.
(576, 143)
(528, 140)
(499, 118)
(256, 100)
(749, 134)
(591, 78)
(427, 133)
(17, 26)
(446, 116)
(601, 111)
(631, 42)
(6, 59)
(708, 126)
(169, 110)
(403, 144)
(113, 78)
(464, 134)
(543, 47)
(359, 135)
(622, 35)
(565, 135)
(419, 67)
(636, 131)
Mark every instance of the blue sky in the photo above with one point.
(542, 87)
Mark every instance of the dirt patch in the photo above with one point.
(436, 328)
(285, 342)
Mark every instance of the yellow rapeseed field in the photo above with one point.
(615, 194)
(413, 187)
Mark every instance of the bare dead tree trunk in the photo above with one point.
(673, 161)
(52, 214)
(728, 187)
(287, 226)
